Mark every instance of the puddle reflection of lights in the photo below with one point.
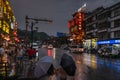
(54, 53)
(90, 60)
(91, 63)
(49, 52)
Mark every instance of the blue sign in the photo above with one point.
(59, 34)
(109, 42)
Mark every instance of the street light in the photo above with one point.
(26, 34)
(34, 21)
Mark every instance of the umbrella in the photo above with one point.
(68, 64)
(57, 57)
(42, 52)
(43, 67)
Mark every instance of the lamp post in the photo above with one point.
(34, 21)
(26, 34)
(32, 31)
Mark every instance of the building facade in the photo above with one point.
(76, 28)
(8, 23)
(102, 24)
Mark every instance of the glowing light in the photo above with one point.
(50, 52)
(83, 8)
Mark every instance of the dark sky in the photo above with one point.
(60, 11)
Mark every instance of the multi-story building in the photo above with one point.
(76, 28)
(8, 23)
(102, 24)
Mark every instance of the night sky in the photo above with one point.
(60, 11)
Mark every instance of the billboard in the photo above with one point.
(60, 34)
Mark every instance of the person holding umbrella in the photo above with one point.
(68, 64)
(44, 68)
(61, 74)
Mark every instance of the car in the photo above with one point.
(50, 46)
(44, 46)
(35, 46)
(108, 51)
(76, 48)
(64, 47)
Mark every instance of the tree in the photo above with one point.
(37, 36)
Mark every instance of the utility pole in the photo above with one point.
(34, 21)
(32, 31)
(26, 35)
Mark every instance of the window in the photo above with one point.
(117, 12)
(117, 34)
(117, 23)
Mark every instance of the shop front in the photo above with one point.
(109, 47)
(110, 42)
(90, 43)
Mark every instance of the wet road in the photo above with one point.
(89, 66)
(92, 67)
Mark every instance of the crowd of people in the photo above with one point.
(15, 54)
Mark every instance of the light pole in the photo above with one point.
(26, 34)
(32, 31)
(34, 21)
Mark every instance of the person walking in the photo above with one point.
(20, 56)
(32, 56)
(30, 52)
(2, 51)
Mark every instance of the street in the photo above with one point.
(92, 67)
(65, 40)
(89, 66)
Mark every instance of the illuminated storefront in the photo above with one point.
(90, 43)
(75, 27)
(7, 22)
(110, 42)
(115, 41)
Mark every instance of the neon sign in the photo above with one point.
(109, 42)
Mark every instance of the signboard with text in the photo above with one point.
(109, 42)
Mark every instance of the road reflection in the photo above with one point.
(92, 67)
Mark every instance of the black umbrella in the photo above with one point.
(68, 64)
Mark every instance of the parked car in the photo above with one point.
(109, 51)
(50, 46)
(35, 46)
(64, 47)
(44, 46)
(76, 48)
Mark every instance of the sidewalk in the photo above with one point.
(27, 70)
